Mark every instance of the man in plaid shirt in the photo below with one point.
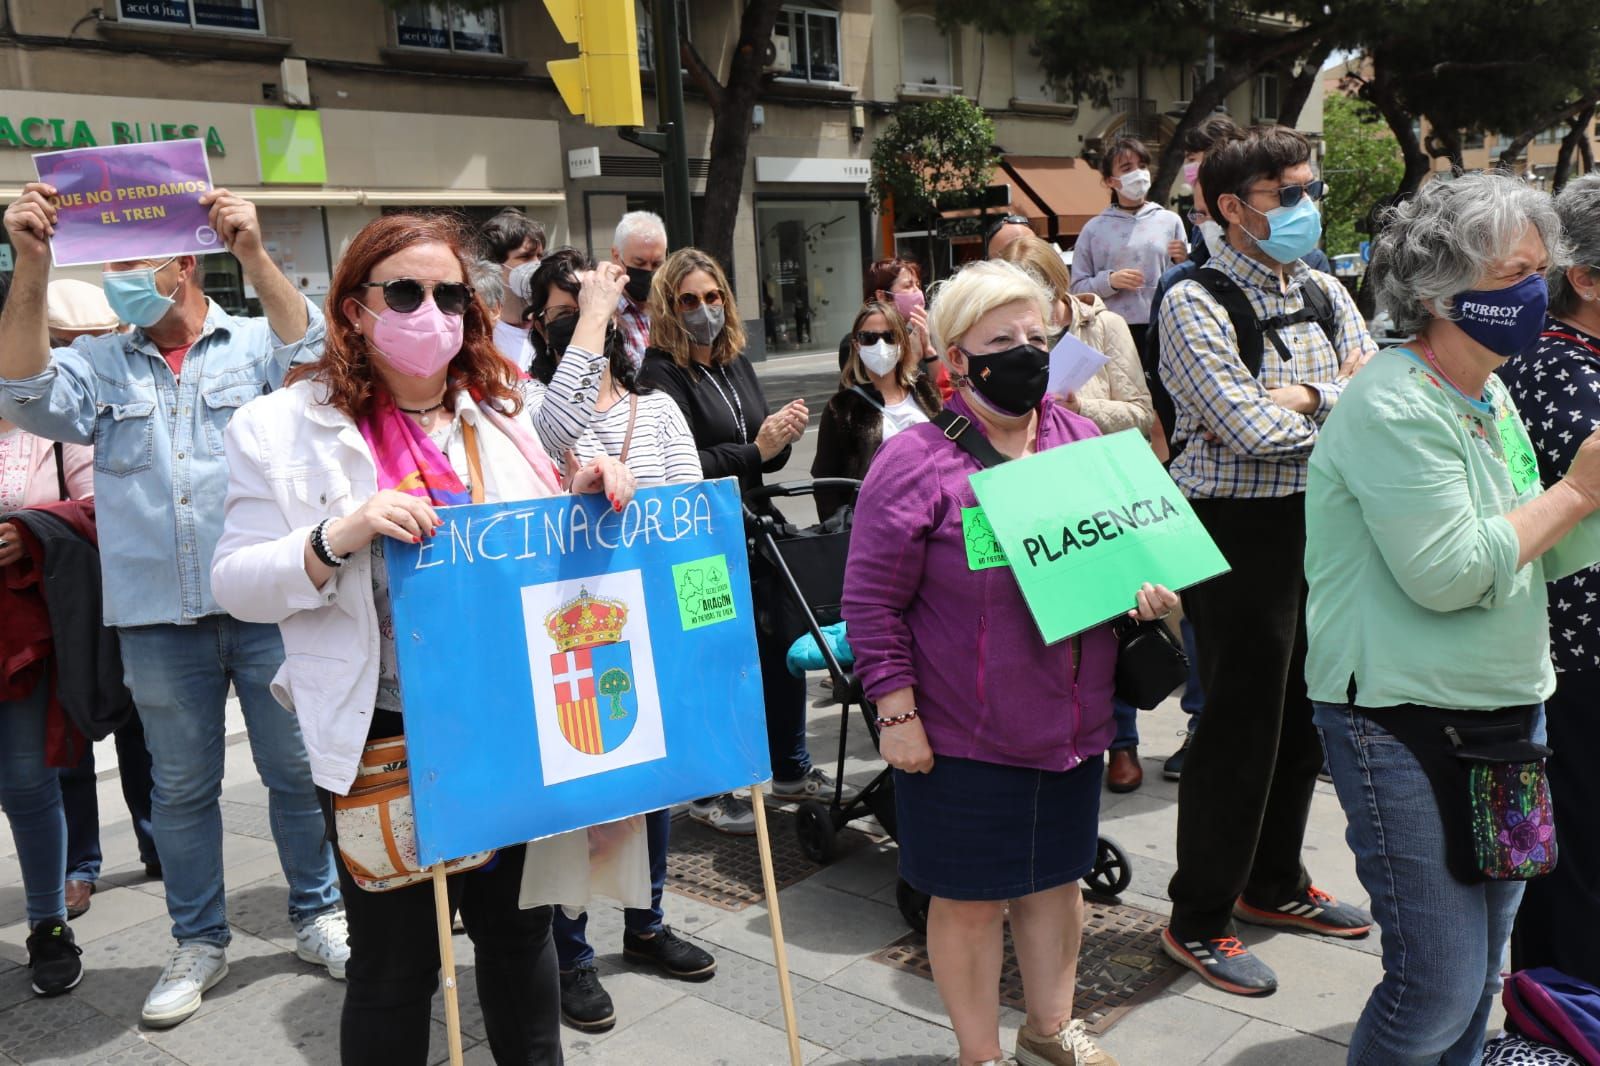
(1246, 788)
(639, 246)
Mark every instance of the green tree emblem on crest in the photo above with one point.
(616, 683)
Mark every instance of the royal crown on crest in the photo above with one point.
(586, 622)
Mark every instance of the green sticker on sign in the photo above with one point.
(1518, 452)
(983, 549)
(705, 594)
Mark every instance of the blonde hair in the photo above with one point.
(979, 288)
(854, 373)
(667, 330)
(1038, 256)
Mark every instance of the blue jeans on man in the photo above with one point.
(1444, 942)
(572, 945)
(31, 799)
(179, 676)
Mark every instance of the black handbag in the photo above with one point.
(1151, 664)
(1150, 660)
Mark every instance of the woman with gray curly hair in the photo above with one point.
(1557, 382)
(1429, 539)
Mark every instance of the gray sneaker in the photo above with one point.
(816, 784)
(726, 814)
(192, 970)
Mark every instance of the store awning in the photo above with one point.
(1067, 191)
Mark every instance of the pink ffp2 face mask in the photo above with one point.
(907, 302)
(417, 343)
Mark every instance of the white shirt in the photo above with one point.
(902, 415)
(513, 343)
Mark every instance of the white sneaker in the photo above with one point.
(725, 814)
(323, 942)
(193, 969)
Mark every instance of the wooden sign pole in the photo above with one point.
(447, 963)
(780, 954)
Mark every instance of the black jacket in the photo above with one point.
(88, 656)
(851, 434)
(727, 449)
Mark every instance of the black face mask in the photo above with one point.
(638, 287)
(558, 334)
(1013, 381)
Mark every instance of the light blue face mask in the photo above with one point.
(1294, 231)
(133, 295)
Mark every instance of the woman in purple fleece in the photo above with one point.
(997, 739)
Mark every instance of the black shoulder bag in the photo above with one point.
(1150, 660)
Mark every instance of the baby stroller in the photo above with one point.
(799, 578)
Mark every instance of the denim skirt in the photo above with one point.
(974, 830)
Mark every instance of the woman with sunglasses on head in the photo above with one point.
(410, 409)
(1123, 251)
(696, 356)
(897, 282)
(882, 390)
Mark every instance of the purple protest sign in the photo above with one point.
(129, 201)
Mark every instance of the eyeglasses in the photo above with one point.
(1289, 195)
(868, 337)
(1005, 220)
(1198, 218)
(688, 301)
(564, 311)
(406, 294)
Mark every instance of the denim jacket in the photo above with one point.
(160, 476)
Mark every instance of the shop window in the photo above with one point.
(1030, 83)
(1553, 135)
(647, 31)
(449, 27)
(1266, 102)
(810, 261)
(1472, 139)
(241, 16)
(810, 38)
(925, 63)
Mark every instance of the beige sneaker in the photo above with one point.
(1070, 1047)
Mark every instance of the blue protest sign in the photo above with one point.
(564, 665)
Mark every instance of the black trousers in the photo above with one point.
(1246, 788)
(1556, 923)
(394, 967)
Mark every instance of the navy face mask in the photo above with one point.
(1505, 321)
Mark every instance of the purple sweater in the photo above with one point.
(988, 688)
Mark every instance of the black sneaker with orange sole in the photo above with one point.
(1312, 911)
(1223, 962)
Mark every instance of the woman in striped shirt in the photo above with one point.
(585, 395)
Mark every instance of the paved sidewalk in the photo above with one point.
(275, 1009)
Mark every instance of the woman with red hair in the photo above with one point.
(411, 408)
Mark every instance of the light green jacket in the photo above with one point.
(1415, 589)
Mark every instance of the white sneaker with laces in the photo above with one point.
(726, 814)
(193, 969)
(322, 942)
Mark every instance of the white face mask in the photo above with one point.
(1135, 184)
(1211, 233)
(880, 358)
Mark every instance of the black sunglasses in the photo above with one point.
(1289, 195)
(1004, 220)
(868, 337)
(406, 294)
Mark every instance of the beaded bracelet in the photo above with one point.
(319, 546)
(899, 719)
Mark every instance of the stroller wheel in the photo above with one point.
(1111, 874)
(815, 828)
(913, 906)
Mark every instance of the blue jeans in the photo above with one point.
(81, 800)
(1194, 693)
(179, 677)
(1126, 717)
(31, 798)
(572, 946)
(1444, 942)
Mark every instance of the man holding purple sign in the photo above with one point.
(154, 403)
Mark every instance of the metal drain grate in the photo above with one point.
(1121, 964)
(725, 871)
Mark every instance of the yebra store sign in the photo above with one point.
(780, 168)
(36, 132)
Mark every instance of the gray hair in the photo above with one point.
(1446, 237)
(1579, 207)
(488, 283)
(637, 224)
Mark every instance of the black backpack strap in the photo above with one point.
(959, 429)
(61, 470)
(1226, 292)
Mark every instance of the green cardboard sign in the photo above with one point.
(1086, 524)
(289, 146)
(705, 594)
(983, 550)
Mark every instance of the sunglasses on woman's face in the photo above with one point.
(868, 337)
(406, 294)
(688, 301)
